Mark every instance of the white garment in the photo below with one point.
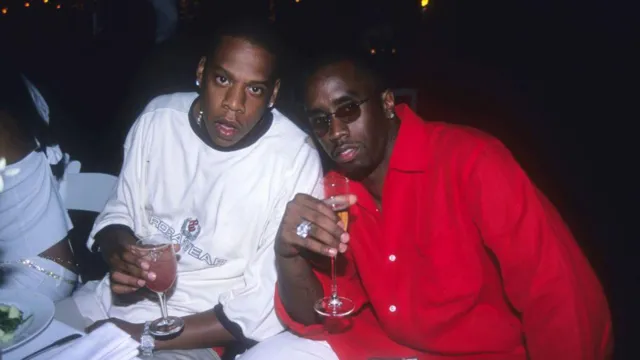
(224, 208)
(290, 346)
(38, 100)
(107, 342)
(18, 276)
(32, 214)
(54, 153)
(33, 218)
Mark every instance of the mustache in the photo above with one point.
(226, 122)
(341, 147)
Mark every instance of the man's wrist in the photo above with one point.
(147, 342)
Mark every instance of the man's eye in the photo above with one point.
(319, 120)
(256, 90)
(349, 107)
(222, 80)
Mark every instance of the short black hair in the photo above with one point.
(255, 30)
(361, 59)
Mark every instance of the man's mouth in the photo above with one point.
(225, 130)
(345, 154)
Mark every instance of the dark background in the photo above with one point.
(552, 79)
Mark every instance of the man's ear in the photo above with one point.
(389, 103)
(274, 94)
(200, 70)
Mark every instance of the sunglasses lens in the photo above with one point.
(348, 113)
(320, 126)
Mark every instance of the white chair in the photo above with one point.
(85, 191)
(73, 167)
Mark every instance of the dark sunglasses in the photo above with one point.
(346, 113)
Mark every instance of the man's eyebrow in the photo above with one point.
(216, 67)
(227, 73)
(265, 83)
(348, 97)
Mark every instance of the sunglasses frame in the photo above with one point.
(329, 117)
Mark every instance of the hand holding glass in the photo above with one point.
(336, 188)
(159, 253)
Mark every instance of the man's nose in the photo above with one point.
(234, 99)
(337, 129)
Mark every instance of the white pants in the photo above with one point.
(289, 346)
(18, 276)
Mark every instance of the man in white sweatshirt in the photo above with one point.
(213, 171)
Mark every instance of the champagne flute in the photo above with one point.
(159, 253)
(336, 189)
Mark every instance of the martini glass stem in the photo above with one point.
(163, 306)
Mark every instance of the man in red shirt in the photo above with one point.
(452, 252)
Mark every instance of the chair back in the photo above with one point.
(86, 191)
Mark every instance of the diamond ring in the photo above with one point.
(303, 229)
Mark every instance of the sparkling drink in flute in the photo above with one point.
(336, 190)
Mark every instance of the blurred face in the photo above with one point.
(237, 88)
(349, 118)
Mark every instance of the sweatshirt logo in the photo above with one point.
(191, 229)
(185, 236)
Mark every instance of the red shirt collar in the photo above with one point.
(412, 136)
(406, 155)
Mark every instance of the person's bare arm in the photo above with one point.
(298, 286)
(202, 330)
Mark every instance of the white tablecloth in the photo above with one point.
(56, 330)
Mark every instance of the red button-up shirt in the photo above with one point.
(466, 260)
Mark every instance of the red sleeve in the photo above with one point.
(546, 277)
(348, 285)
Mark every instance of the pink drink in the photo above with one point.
(163, 263)
(157, 251)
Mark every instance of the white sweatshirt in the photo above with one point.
(224, 208)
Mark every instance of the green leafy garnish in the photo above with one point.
(10, 319)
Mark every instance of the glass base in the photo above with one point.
(165, 327)
(334, 306)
